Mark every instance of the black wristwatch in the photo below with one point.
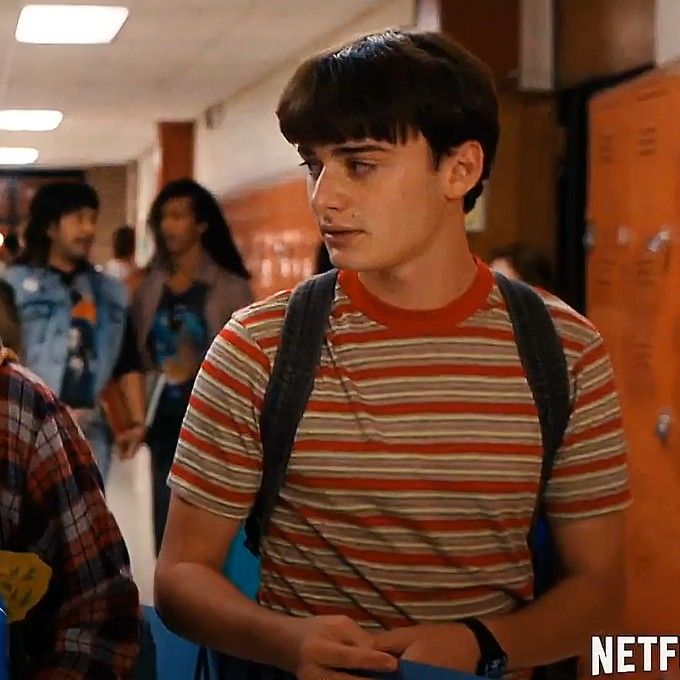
(492, 657)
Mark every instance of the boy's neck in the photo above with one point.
(437, 278)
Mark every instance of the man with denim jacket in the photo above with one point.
(73, 319)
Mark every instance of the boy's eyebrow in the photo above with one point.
(345, 149)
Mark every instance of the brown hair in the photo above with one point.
(388, 86)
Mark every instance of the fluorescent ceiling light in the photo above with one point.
(32, 120)
(70, 24)
(17, 155)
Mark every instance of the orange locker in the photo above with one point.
(608, 218)
(633, 276)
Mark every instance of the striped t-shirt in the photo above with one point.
(414, 475)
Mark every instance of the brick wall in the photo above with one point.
(275, 232)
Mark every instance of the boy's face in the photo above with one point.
(381, 206)
(73, 236)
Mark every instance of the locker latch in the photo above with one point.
(659, 241)
(623, 235)
(663, 426)
(589, 236)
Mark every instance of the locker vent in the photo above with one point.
(605, 147)
(644, 272)
(647, 140)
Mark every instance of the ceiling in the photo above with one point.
(172, 59)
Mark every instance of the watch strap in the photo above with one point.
(492, 657)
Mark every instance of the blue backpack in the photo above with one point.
(285, 401)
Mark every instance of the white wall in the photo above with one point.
(148, 165)
(246, 148)
(110, 183)
(667, 30)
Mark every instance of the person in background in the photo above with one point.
(194, 283)
(9, 250)
(87, 625)
(12, 246)
(122, 265)
(75, 331)
(518, 261)
(10, 330)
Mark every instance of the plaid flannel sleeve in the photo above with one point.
(93, 626)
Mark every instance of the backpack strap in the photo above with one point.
(287, 393)
(545, 365)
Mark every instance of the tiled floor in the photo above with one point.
(128, 493)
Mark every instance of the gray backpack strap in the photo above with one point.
(287, 393)
(545, 365)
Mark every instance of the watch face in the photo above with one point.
(495, 669)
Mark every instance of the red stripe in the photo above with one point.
(610, 427)
(572, 345)
(390, 335)
(599, 465)
(606, 390)
(389, 557)
(416, 595)
(232, 458)
(590, 505)
(269, 343)
(216, 491)
(418, 525)
(253, 353)
(445, 408)
(230, 383)
(473, 370)
(286, 604)
(220, 418)
(596, 353)
(426, 485)
(571, 316)
(387, 335)
(263, 316)
(388, 448)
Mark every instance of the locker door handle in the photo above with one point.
(659, 241)
(589, 236)
(663, 426)
(623, 235)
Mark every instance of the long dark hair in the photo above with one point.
(50, 203)
(216, 240)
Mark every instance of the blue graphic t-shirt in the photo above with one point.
(77, 389)
(179, 341)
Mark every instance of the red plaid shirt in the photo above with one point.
(51, 504)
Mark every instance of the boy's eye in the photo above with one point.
(313, 167)
(359, 168)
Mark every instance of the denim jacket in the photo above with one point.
(44, 306)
